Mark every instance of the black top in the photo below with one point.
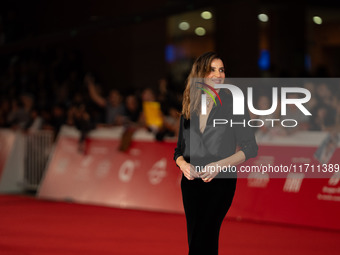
(218, 142)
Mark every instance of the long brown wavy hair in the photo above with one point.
(200, 69)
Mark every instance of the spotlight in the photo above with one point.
(263, 17)
(206, 15)
(317, 20)
(184, 25)
(200, 31)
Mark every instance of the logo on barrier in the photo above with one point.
(126, 170)
(84, 171)
(103, 169)
(293, 182)
(334, 180)
(62, 165)
(258, 180)
(157, 172)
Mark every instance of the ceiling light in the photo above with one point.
(317, 20)
(184, 25)
(200, 31)
(206, 15)
(263, 17)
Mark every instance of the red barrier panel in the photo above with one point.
(147, 178)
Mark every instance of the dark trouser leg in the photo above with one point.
(206, 205)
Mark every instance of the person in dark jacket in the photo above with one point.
(204, 148)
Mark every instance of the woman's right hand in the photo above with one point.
(188, 171)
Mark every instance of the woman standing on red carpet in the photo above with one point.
(202, 149)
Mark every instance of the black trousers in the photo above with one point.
(205, 206)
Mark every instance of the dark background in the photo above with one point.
(124, 42)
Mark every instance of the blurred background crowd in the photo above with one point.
(97, 66)
(48, 89)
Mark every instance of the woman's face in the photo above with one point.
(216, 75)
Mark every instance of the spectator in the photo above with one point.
(132, 110)
(35, 123)
(113, 104)
(312, 103)
(20, 114)
(131, 120)
(324, 94)
(152, 116)
(323, 118)
(293, 112)
(79, 117)
(324, 113)
(170, 123)
(55, 120)
(263, 103)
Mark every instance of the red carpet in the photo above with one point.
(30, 226)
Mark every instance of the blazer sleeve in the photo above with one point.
(245, 137)
(178, 149)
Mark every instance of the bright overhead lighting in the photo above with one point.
(200, 31)
(263, 17)
(184, 25)
(317, 20)
(206, 15)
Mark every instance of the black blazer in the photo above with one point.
(218, 142)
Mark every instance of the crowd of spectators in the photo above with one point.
(45, 89)
(323, 106)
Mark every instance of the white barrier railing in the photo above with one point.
(37, 150)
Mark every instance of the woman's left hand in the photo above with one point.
(210, 171)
